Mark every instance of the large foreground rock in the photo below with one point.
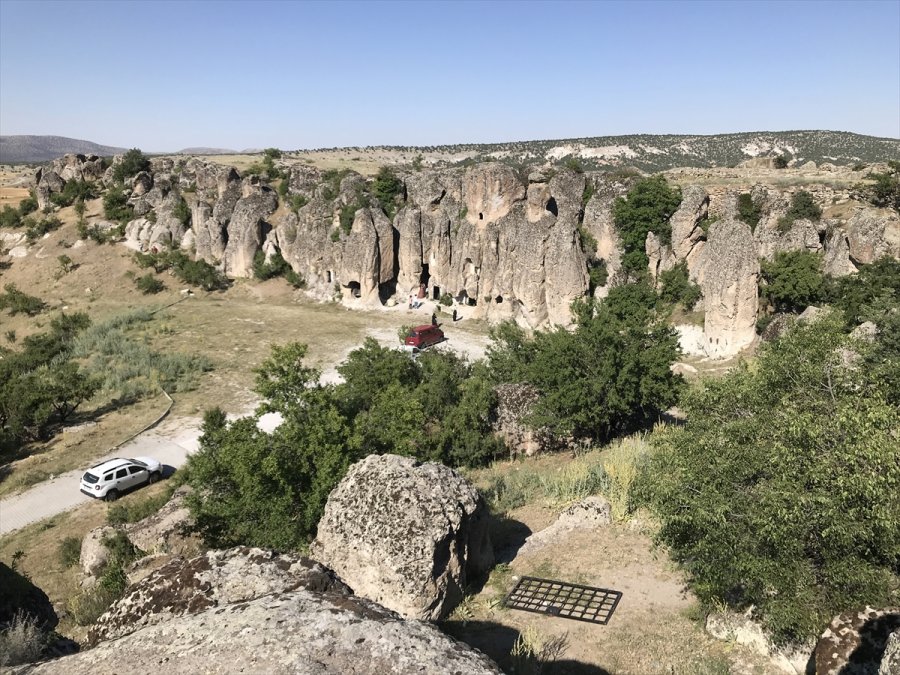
(254, 611)
(408, 535)
(214, 579)
(21, 598)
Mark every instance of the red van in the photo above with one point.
(424, 336)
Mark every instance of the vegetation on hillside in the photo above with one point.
(649, 205)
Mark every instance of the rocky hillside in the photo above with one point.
(485, 238)
(28, 149)
(652, 153)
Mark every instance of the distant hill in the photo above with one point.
(26, 149)
(206, 151)
(649, 152)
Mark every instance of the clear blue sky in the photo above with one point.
(167, 75)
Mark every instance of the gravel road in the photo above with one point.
(170, 443)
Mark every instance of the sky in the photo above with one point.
(166, 75)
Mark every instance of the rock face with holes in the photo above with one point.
(407, 535)
(729, 284)
(254, 611)
(854, 642)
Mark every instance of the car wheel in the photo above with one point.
(112, 495)
(153, 477)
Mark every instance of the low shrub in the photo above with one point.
(802, 207)
(22, 641)
(121, 513)
(17, 302)
(748, 211)
(69, 551)
(149, 284)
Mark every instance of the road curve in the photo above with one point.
(170, 444)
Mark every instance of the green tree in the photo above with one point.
(647, 208)
(856, 293)
(793, 281)
(115, 205)
(133, 162)
(387, 188)
(782, 491)
(802, 207)
(748, 210)
(676, 288)
(885, 191)
(780, 162)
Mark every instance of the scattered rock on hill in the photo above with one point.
(591, 512)
(405, 534)
(166, 531)
(94, 555)
(210, 580)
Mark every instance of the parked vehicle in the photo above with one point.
(424, 336)
(111, 478)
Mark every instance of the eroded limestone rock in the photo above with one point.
(405, 534)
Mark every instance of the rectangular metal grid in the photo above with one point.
(558, 598)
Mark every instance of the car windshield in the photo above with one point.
(90, 478)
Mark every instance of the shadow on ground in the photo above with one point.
(497, 641)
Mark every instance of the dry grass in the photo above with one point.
(40, 543)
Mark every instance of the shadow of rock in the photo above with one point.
(873, 637)
(497, 641)
(508, 536)
(168, 471)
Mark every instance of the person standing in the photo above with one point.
(433, 319)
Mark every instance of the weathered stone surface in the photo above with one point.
(854, 642)
(211, 580)
(405, 534)
(890, 660)
(19, 596)
(515, 402)
(141, 184)
(837, 261)
(738, 628)
(166, 531)
(688, 237)
(729, 285)
(94, 554)
(590, 513)
(873, 233)
(246, 227)
(598, 221)
(297, 632)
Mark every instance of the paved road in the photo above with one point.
(170, 444)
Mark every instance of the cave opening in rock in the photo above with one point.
(436, 293)
(423, 276)
(480, 216)
(355, 289)
(552, 207)
(499, 299)
(328, 276)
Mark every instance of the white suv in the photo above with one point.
(111, 478)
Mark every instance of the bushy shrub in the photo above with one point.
(182, 212)
(446, 300)
(35, 229)
(676, 287)
(22, 641)
(647, 208)
(780, 162)
(780, 492)
(387, 188)
(792, 281)
(885, 192)
(748, 211)
(70, 551)
(133, 162)
(17, 302)
(115, 205)
(802, 206)
(149, 284)
(277, 266)
(194, 272)
(857, 294)
(74, 190)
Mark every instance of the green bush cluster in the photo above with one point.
(42, 384)
(74, 191)
(388, 189)
(748, 210)
(781, 492)
(35, 229)
(885, 192)
(802, 206)
(649, 205)
(277, 266)
(792, 281)
(122, 513)
(116, 206)
(12, 217)
(332, 179)
(194, 272)
(149, 284)
(133, 162)
(676, 288)
(269, 489)
(17, 302)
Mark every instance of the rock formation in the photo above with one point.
(249, 610)
(854, 642)
(407, 535)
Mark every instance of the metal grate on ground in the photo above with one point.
(558, 598)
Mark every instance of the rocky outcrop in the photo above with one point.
(589, 513)
(890, 660)
(854, 642)
(743, 630)
(871, 234)
(599, 223)
(729, 285)
(515, 401)
(94, 554)
(248, 610)
(167, 530)
(688, 237)
(247, 227)
(210, 580)
(407, 535)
